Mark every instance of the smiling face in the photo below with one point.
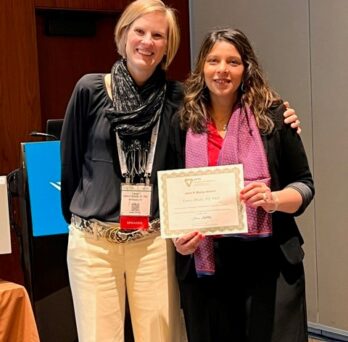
(146, 45)
(223, 72)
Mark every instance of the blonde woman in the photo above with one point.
(114, 137)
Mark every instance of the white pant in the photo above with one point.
(100, 272)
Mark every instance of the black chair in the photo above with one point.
(54, 128)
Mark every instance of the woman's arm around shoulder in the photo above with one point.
(294, 172)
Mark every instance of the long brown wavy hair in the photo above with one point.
(254, 91)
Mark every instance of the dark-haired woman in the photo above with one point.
(253, 288)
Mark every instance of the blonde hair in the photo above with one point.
(139, 8)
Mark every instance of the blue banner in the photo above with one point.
(42, 163)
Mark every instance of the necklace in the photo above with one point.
(222, 124)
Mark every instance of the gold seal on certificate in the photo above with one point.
(204, 199)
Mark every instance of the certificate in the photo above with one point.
(202, 199)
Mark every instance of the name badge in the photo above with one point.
(135, 206)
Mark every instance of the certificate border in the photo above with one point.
(163, 176)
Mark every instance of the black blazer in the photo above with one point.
(287, 162)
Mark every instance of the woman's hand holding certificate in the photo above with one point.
(188, 243)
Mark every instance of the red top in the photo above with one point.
(215, 142)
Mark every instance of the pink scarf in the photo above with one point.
(242, 145)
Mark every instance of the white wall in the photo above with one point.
(329, 74)
(5, 235)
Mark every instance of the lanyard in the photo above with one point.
(150, 158)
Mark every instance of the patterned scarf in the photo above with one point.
(136, 110)
(242, 144)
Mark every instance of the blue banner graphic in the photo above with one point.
(42, 163)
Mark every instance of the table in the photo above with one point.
(17, 322)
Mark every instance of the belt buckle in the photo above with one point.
(111, 234)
